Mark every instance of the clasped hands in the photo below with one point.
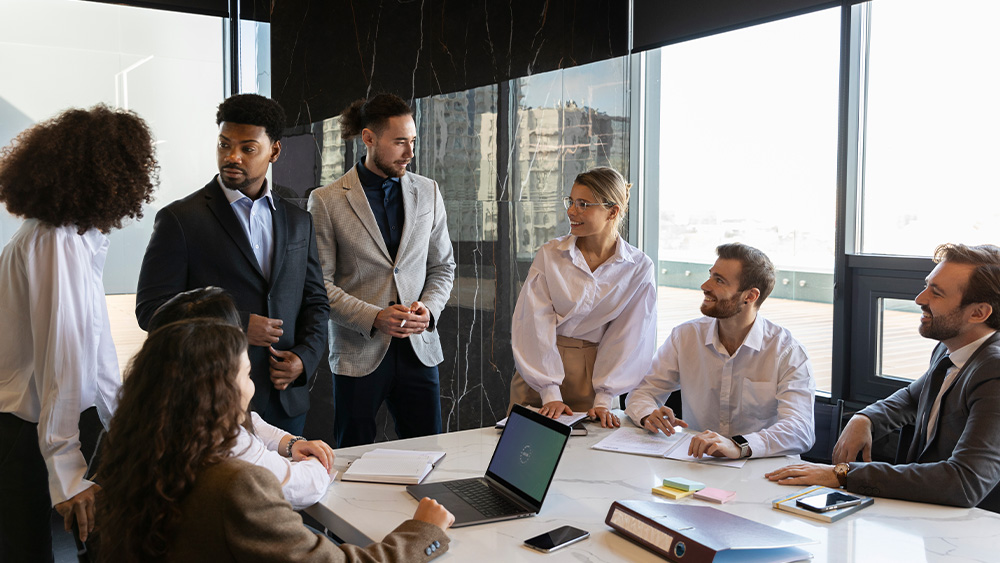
(707, 443)
(286, 366)
(400, 321)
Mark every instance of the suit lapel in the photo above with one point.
(409, 194)
(279, 220)
(219, 205)
(363, 209)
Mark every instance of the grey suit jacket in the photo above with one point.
(235, 512)
(361, 279)
(960, 463)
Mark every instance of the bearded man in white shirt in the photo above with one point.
(747, 383)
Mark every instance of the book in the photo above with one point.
(635, 440)
(400, 467)
(787, 503)
(700, 534)
(574, 421)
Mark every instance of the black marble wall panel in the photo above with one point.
(327, 53)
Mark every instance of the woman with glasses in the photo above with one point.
(584, 327)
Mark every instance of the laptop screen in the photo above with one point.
(527, 454)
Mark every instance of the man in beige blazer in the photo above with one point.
(388, 268)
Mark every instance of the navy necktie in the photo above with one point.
(935, 382)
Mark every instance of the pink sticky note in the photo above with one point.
(712, 494)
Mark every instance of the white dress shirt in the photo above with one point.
(614, 306)
(302, 482)
(58, 359)
(763, 392)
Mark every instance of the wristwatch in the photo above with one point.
(840, 470)
(743, 444)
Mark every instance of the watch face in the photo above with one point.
(740, 440)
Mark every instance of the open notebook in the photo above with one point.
(401, 467)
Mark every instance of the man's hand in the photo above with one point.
(606, 417)
(314, 448)
(555, 409)
(856, 437)
(805, 474)
(398, 322)
(80, 508)
(662, 420)
(286, 367)
(424, 322)
(433, 513)
(262, 331)
(713, 444)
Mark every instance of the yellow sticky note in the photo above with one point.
(671, 493)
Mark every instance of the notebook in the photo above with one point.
(403, 467)
(517, 479)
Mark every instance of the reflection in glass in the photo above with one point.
(902, 352)
(930, 140)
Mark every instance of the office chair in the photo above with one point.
(827, 419)
(673, 401)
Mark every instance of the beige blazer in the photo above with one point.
(361, 279)
(235, 512)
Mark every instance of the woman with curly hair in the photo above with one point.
(174, 492)
(73, 179)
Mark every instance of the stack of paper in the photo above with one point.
(403, 467)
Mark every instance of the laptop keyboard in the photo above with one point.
(478, 494)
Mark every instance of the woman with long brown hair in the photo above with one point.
(172, 491)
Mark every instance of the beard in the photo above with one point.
(942, 327)
(390, 169)
(723, 308)
(247, 180)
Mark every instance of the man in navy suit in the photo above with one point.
(237, 234)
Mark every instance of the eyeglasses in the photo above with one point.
(580, 204)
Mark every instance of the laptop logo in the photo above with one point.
(525, 454)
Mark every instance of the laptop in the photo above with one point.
(517, 478)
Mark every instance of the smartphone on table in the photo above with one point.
(825, 502)
(555, 539)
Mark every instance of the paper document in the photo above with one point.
(404, 467)
(633, 440)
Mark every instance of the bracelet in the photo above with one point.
(288, 447)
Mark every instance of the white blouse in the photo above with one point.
(302, 482)
(613, 306)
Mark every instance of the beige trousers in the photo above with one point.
(578, 357)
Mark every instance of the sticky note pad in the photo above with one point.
(671, 493)
(711, 494)
(683, 484)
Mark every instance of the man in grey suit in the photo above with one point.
(388, 268)
(954, 457)
(236, 234)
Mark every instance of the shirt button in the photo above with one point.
(395, 270)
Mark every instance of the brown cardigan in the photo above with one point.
(236, 513)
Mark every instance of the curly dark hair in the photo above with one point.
(371, 113)
(89, 168)
(179, 411)
(253, 109)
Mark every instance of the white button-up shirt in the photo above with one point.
(764, 391)
(302, 482)
(59, 359)
(614, 306)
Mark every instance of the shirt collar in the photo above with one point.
(371, 180)
(568, 244)
(962, 355)
(235, 195)
(754, 339)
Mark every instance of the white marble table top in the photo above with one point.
(587, 481)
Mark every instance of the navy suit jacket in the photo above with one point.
(197, 241)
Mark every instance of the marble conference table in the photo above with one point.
(587, 481)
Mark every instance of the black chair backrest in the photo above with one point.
(828, 418)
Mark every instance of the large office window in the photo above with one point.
(748, 153)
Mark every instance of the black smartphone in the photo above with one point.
(555, 539)
(825, 502)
